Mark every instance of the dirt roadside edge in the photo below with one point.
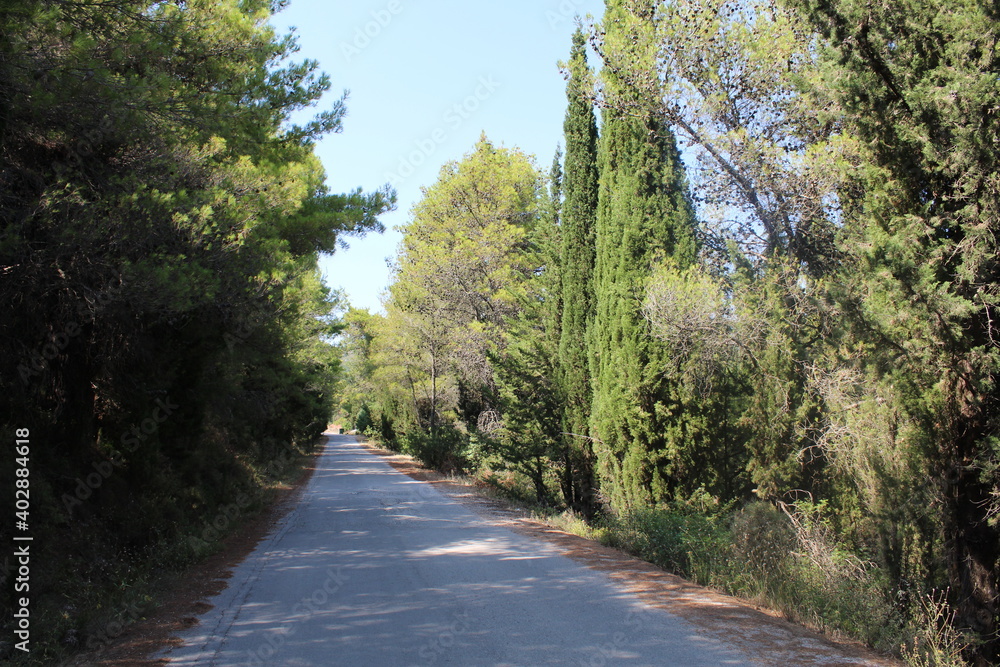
(761, 633)
(182, 597)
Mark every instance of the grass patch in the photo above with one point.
(783, 561)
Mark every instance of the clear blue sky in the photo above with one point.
(425, 79)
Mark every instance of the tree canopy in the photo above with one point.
(744, 326)
(161, 217)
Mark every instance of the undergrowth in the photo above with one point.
(788, 561)
(96, 581)
(784, 557)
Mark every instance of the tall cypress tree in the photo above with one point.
(548, 239)
(578, 224)
(644, 215)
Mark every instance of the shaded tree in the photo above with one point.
(918, 84)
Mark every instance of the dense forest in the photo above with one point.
(164, 324)
(743, 326)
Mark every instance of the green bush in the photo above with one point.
(689, 543)
(759, 553)
(363, 422)
(445, 451)
(763, 541)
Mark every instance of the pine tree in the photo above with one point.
(918, 83)
(464, 268)
(644, 215)
(525, 365)
(578, 224)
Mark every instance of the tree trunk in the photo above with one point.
(972, 549)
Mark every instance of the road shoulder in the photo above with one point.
(183, 596)
(761, 633)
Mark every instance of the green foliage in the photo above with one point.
(463, 271)
(356, 388)
(763, 539)
(756, 552)
(523, 433)
(934, 640)
(826, 331)
(644, 215)
(918, 84)
(466, 243)
(777, 324)
(529, 438)
(697, 317)
(577, 256)
(734, 77)
(160, 223)
(679, 539)
(363, 422)
(442, 450)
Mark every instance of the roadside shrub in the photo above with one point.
(787, 559)
(933, 640)
(444, 452)
(830, 587)
(763, 542)
(688, 543)
(363, 422)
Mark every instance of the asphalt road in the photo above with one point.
(374, 568)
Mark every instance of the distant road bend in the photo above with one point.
(374, 568)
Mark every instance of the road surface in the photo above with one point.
(375, 568)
